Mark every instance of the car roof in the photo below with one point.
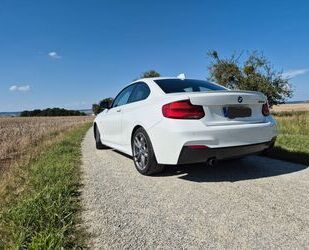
(156, 90)
(154, 78)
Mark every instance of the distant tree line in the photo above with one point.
(51, 112)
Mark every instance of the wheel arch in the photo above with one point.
(133, 131)
(94, 129)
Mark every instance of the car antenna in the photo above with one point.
(181, 76)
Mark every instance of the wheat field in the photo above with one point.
(291, 107)
(18, 135)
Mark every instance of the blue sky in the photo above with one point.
(73, 53)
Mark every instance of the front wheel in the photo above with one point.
(143, 154)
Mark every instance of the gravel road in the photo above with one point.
(251, 203)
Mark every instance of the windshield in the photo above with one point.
(187, 85)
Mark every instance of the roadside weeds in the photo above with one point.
(40, 204)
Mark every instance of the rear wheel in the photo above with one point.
(97, 137)
(143, 154)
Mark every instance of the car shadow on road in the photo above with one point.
(251, 167)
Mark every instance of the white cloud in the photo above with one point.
(23, 88)
(54, 55)
(294, 72)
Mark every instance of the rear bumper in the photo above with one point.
(169, 136)
(189, 155)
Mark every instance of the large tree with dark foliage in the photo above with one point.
(254, 73)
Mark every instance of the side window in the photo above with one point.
(203, 89)
(188, 89)
(141, 92)
(123, 97)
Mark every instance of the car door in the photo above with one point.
(111, 124)
(130, 112)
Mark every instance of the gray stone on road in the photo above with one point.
(255, 202)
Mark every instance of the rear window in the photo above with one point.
(186, 85)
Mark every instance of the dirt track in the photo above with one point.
(252, 203)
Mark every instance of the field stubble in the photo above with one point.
(21, 135)
(291, 107)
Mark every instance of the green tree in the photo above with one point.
(98, 108)
(150, 73)
(254, 73)
(106, 102)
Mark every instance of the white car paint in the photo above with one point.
(168, 136)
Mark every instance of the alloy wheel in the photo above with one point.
(140, 151)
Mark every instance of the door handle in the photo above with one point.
(118, 110)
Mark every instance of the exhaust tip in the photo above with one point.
(211, 162)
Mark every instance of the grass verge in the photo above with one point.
(43, 214)
(293, 140)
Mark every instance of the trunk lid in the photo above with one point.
(229, 107)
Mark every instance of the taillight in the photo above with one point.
(265, 109)
(183, 110)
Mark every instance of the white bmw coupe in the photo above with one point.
(162, 121)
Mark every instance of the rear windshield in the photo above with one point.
(187, 85)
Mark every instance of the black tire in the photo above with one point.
(267, 152)
(98, 143)
(150, 165)
(238, 158)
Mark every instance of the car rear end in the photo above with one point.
(214, 124)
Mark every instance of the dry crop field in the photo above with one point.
(291, 107)
(18, 135)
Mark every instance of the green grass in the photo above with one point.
(293, 140)
(44, 215)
